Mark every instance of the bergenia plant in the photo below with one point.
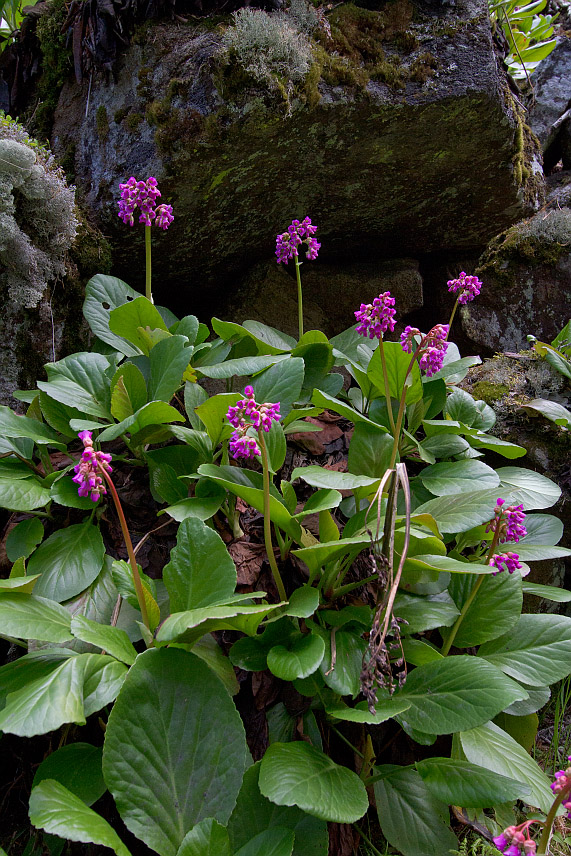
(287, 248)
(374, 320)
(143, 195)
(251, 421)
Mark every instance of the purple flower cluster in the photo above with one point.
(561, 784)
(431, 349)
(513, 841)
(510, 560)
(297, 234)
(86, 471)
(248, 414)
(377, 317)
(465, 287)
(508, 521)
(143, 195)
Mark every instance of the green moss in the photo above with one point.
(489, 392)
(144, 86)
(389, 72)
(132, 122)
(359, 34)
(102, 123)
(57, 65)
(119, 115)
(91, 252)
(423, 67)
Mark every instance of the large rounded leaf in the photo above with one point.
(494, 610)
(57, 810)
(68, 561)
(186, 762)
(448, 694)
(78, 768)
(298, 659)
(26, 616)
(207, 838)
(531, 489)
(454, 477)
(299, 774)
(463, 783)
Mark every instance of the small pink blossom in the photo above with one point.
(466, 288)
(246, 414)
(297, 233)
(87, 471)
(143, 195)
(377, 317)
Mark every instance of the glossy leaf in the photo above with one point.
(456, 782)
(80, 381)
(213, 414)
(154, 413)
(23, 539)
(385, 709)
(299, 774)
(411, 818)
(557, 595)
(490, 747)
(77, 767)
(103, 294)
(28, 616)
(56, 810)
(271, 842)
(532, 490)
(425, 613)
(125, 321)
(455, 694)
(64, 492)
(18, 426)
(398, 362)
(112, 640)
(23, 494)
(458, 477)
(243, 366)
(129, 391)
(161, 792)
(281, 382)
(495, 609)
(536, 651)
(298, 659)
(192, 624)
(461, 512)
(68, 561)
(207, 838)
(168, 360)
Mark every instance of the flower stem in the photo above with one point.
(148, 293)
(129, 545)
(299, 297)
(452, 635)
(387, 392)
(451, 319)
(546, 832)
(267, 522)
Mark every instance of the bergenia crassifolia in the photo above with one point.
(374, 320)
(466, 288)
(287, 244)
(88, 470)
(431, 348)
(143, 195)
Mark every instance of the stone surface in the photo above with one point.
(331, 293)
(552, 92)
(527, 285)
(440, 164)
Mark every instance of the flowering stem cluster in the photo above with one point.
(562, 788)
(287, 248)
(466, 288)
(375, 319)
(247, 414)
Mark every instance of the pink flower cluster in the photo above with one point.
(431, 349)
(510, 560)
(465, 287)
(508, 521)
(87, 470)
(297, 234)
(143, 195)
(377, 317)
(515, 841)
(561, 784)
(247, 414)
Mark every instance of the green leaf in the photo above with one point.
(385, 709)
(321, 500)
(419, 652)
(298, 659)
(194, 395)
(103, 294)
(369, 451)
(461, 407)
(282, 383)
(486, 441)
(458, 477)
(27, 616)
(125, 321)
(456, 370)
(111, 639)
(411, 818)
(343, 660)
(102, 679)
(17, 426)
(18, 581)
(270, 335)
(397, 362)
(206, 501)
(490, 747)
(322, 477)
(207, 838)
(23, 494)
(525, 487)
(154, 413)
(80, 381)
(271, 842)
(248, 485)
(123, 579)
(537, 698)
(536, 651)
(299, 774)
(168, 360)
(273, 342)
(128, 391)
(494, 611)
(12, 468)
(56, 810)
(425, 613)
(557, 595)
(192, 624)
(243, 366)
(321, 399)
(210, 652)
(276, 447)
(456, 782)
(23, 539)
(445, 445)
(462, 512)
(254, 814)
(78, 768)
(551, 410)
(64, 492)
(201, 572)
(161, 792)
(455, 694)
(68, 561)
(319, 554)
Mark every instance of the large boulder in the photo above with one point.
(403, 139)
(550, 116)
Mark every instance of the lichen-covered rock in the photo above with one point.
(527, 274)
(38, 220)
(402, 139)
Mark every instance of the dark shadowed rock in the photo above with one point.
(550, 119)
(438, 158)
